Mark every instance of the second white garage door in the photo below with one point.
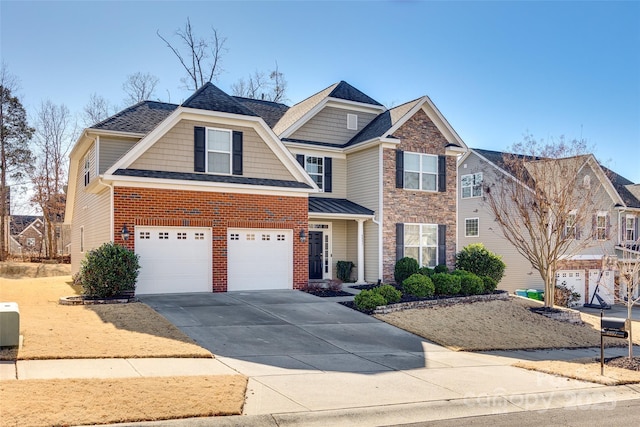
(259, 259)
(173, 259)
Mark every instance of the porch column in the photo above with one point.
(360, 252)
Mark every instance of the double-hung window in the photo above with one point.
(471, 185)
(421, 243)
(87, 170)
(630, 229)
(420, 171)
(601, 226)
(315, 168)
(219, 151)
(570, 225)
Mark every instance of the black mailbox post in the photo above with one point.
(613, 327)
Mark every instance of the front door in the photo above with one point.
(315, 255)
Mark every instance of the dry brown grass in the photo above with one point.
(52, 331)
(586, 369)
(499, 325)
(21, 270)
(91, 401)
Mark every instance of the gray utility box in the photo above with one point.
(9, 324)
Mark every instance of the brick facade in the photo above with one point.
(420, 135)
(178, 208)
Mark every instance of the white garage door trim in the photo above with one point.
(259, 259)
(173, 259)
(575, 280)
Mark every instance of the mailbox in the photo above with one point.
(613, 327)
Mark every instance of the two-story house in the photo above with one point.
(225, 193)
(610, 226)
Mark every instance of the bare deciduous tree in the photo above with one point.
(628, 269)
(139, 87)
(258, 86)
(97, 109)
(542, 205)
(54, 136)
(201, 57)
(15, 155)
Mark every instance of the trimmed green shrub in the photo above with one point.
(476, 259)
(389, 293)
(441, 268)
(108, 271)
(369, 300)
(343, 270)
(425, 271)
(490, 285)
(404, 268)
(418, 285)
(446, 284)
(470, 284)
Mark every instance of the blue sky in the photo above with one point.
(496, 70)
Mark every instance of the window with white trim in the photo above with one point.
(315, 168)
(471, 227)
(219, 150)
(601, 226)
(421, 243)
(31, 241)
(87, 170)
(471, 185)
(630, 228)
(420, 171)
(570, 225)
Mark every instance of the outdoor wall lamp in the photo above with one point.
(124, 233)
(303, 236)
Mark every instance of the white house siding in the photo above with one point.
(111, 150)
(96, 220)
(330, 125)
(174, 153)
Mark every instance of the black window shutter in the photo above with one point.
(199, 149)
(442, 244)
(327, 175)
(623, 228)
(399, 240)
(237, 153)
(300, 159)
(399, 169)
(442, 174)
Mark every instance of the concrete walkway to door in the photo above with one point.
(310, 357)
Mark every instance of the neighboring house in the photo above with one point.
(225, 193)
(27, 235)
(612, 228)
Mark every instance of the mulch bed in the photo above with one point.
(327, 293)
(624, 362)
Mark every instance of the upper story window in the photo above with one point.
(601, 226)
(319, 169)
(630, 229)
(471, 185)
(87, 170)
(570, 225)
(352, 121)
(219, 151)
(420, 171)
(31, 241)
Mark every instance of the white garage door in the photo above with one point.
(573, 279)
(173, 259)
(259, 259)
(605, 288)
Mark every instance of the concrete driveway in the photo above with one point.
(303, 353)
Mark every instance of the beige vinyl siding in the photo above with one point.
(174, 153)
(518, 273)
(330, 125)
(338, 175)
(91, 212)
(339, 245)
(111, 150)
(370, 249)
(362, 177)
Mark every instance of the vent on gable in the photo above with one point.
(352, 121)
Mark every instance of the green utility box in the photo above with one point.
(9, 324)
(536, 294)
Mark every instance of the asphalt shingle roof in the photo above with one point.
(139, 118)
(18, 223)
(336, 206)
(209, 97)
(270, 112)
(344, 90)
(228, 179)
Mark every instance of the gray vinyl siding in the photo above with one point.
(91, 212)
(518, 273)
(111, 150)
(363, 178)
(330, 125)
(174, 153)
(338, 175)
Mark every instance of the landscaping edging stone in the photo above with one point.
(80, 300)
(444, 302)
(564, 315)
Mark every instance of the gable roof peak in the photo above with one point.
(210, 97)
(344, 90)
